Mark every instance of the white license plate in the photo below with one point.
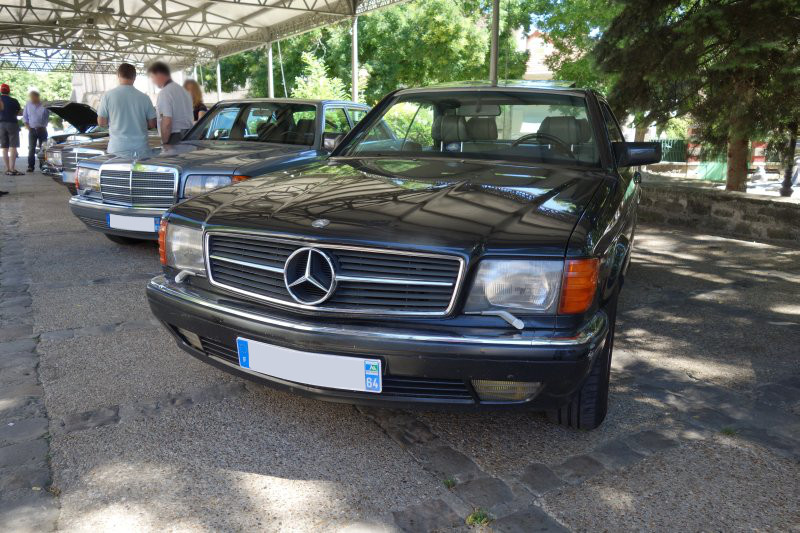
(143, 224)
(319, 370)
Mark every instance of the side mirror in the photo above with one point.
(331, 140)
(636, 153)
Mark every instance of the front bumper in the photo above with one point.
(421, 366)
(94, 213)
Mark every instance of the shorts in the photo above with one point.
(9, 135)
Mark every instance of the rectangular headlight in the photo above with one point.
(522, 285)
(54, 157)
(182, 247)
(87, 178)
(198, 184)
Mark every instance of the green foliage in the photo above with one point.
(676, 128)
(315, 82)
(574, 28)
(479, 517)
(410, 44)
(51, 85)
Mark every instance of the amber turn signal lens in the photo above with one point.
(162, 241)
(579, 285)
(238, 178)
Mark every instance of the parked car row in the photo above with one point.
(459, 246)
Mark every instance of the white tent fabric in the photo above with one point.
(96, 35)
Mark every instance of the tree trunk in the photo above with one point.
(641, 131)
(737, 162)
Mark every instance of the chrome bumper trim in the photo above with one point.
(83, 202)
(594, 330)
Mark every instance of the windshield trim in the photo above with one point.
(356, 135)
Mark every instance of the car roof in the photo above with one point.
(566, 87)
(290, 100)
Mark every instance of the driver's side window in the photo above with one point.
(407, 127)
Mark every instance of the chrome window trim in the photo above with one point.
(592, 331)
(300, 242)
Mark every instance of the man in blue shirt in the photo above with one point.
(9, 130)
(128, 113)
(35, 116)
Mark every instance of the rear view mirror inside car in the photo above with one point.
(479, 110)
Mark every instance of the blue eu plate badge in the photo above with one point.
(372, 376)
(244, 353)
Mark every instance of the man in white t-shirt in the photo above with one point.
(173, 106)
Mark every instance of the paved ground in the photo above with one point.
(106, 425)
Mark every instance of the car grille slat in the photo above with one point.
(138, 187)
(404, 387)
(377, 282)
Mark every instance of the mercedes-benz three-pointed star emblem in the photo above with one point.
(309, 276)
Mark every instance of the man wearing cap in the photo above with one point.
(35, 117)
(9, 130)
(174, 105)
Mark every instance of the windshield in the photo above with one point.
(509, 125)
(270, 122)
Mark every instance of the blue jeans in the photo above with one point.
(35, 135)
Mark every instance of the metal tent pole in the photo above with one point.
(494, 52)
(219, 83)
(354, 58)
(270, 80)
(194, 72)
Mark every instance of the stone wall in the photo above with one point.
(714, 211)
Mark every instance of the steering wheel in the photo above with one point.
(555, 141)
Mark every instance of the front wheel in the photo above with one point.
(119, 239)
(588, 407)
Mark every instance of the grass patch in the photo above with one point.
(728, 431)
(479, 517)
(449, 483)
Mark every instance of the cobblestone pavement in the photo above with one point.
(105, 424)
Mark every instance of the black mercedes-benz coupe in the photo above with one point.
(463, 245)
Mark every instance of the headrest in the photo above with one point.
(304, 124)
(565, 129)
(449, 128)
(584, 130)
(482, 128)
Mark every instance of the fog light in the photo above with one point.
(191, 338)
(505, 391)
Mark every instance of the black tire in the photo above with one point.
(588, 407)
(119, 239)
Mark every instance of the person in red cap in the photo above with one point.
(9, 130)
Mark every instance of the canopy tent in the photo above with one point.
(96, 35)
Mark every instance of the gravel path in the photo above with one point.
(106, 425)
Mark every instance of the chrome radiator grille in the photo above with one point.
(366, 280)
(138, 187)
(71, 157)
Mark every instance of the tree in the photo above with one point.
(51, 85)
(315, 82)
(410, 44)
(717, 60)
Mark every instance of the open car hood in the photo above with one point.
(80, 116)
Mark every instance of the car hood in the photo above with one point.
(81, 116)
(219, 156)
(463, 206)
